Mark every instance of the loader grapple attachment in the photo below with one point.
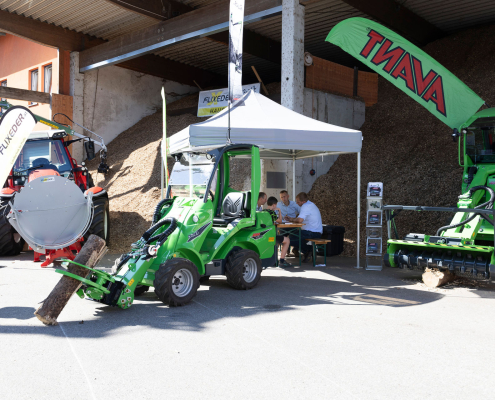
(469, 261)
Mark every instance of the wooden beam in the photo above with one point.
(46, 34)
(198, 23)
(400, 19)
(64, 72)
(22, 94)
(158, 9)
(174, 71)
(67, 40)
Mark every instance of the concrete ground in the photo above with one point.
(303, 333)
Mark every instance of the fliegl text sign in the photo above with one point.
(409, 68)
(212, 102)
(15, 126)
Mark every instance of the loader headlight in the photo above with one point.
(464, 131)
(195, 218)
(152, 250)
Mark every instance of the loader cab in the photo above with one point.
(210, 177)
(479, 138)
(45, 153)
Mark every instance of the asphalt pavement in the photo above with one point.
(303, 333)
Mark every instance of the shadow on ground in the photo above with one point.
(337, 287)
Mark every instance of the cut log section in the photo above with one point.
(90, 254)
(434, 278)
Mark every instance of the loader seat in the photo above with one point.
(233, 207)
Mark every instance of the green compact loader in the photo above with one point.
(203, 227)
(465, 246)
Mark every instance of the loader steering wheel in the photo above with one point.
(212, 195)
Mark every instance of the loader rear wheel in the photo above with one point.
(100, 226)
(386, 260)
(11, 243)
(176, 282)
(141, 289)
(243, 269)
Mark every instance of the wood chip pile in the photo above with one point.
(133, 183)
(407, 148)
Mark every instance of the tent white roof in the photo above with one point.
(279, 132)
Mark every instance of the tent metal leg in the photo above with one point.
(293, 178)
(358, 206)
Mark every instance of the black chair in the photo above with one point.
(234, 207)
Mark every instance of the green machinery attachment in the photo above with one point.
(203, 227)
(465, 246)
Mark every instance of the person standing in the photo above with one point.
(262, 197)
(313, 228)
(288, 207)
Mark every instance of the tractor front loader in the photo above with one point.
(465, 246)
(202, 228)
(49, 200)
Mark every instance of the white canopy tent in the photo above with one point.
(279, 133)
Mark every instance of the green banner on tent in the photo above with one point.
(407, 67)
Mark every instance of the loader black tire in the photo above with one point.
(100, 226)
(243, 269)
(141, 289)
(11, 243)
(179, 274)
(386, 260)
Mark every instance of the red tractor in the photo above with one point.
(45, 158)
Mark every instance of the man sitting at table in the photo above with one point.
(312, 229)
(288, 207)
(284, 241)
(261, 201)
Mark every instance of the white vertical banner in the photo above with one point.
(15, 126)
(236, 27)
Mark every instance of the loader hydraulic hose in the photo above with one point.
(147, 238)
(158, 210)
(487, 205)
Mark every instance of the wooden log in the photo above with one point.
(92, 251)
(434, 278)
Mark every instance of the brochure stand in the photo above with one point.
(374, 219)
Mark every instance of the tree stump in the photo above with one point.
(92, 251)
(434, 278)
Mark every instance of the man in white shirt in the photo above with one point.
(313, 228)
(288, 207)
(262, 197)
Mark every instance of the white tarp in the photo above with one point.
(279, 132)
(15, 126)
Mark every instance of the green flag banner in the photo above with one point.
(407, 67)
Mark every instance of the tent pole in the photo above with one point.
(358, 206)
(162, 178)
(293, 178)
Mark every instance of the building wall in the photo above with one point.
(325, 107)
(17, 58)
(112, 99)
